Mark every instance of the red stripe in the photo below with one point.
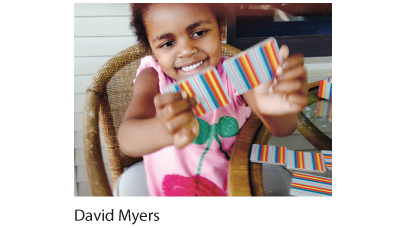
(220, 88)
(268, 54)
(320, 88)
(310, 177)
(317, 189)
(253, 68)
(246, 72)
(204, 111)
(213, 90)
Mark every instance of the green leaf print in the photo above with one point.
(226, 127)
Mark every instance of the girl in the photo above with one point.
(184, 155)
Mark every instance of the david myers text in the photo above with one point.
(122, 215)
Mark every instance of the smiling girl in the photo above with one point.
(184, 155)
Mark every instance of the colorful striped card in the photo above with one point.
(305, 161)
(268, 154)
(207, 86)
(328, 158)
(325, 88)
(324, 109)
(310, 185)
(254, 66)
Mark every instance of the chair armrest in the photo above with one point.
(98, 181)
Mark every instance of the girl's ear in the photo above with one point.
(223, 33)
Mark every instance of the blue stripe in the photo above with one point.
(209, 90)
(197, 92)
(311, 180)
(306, 190)
(216, 74)
(177, 88)
(261, 64)
(240, 78)
(244, 77)
(268, 66)
(257, 66)
(206, 94)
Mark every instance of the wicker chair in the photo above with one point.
(107, 98)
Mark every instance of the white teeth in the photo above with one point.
(194, 66)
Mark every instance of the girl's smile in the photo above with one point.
(185, 38)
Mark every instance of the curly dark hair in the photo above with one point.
(139, 9)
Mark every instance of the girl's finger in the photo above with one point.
(180, 106)
(284, 51)
(298, 101)
(297, 73)
(180, 121)
(187, 134)
(160, 100)
(294, 60)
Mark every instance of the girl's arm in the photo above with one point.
(144, 130)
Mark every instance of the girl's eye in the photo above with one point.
(168, 44)
(199, 33)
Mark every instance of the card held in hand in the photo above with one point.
(206, 85)
(254, 66)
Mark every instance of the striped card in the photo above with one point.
(328, 158)
(305, 161)
(268, 154)
(207, 86)
(325, 88)
(324, 109)
(254, 66)
(310, 185)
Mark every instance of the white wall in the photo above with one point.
(101, 30)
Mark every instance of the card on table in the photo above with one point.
(207, 86)
(310, 185)
(325, 88)
(324, 109)
(268, 154)
(328, 158)
(305, 161)
(254, 66)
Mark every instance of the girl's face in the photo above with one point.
(185, 38)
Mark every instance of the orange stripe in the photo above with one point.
(318, 162)
(263, 152)
(271, 57)
(244, 68)
(300, 160)
(183, 86)
(250, 69)
(200, 106)
(212, 87)
(222, 93)
(318, 189)
(312, 178)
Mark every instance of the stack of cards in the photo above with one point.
(325, 88)
(254, 66)
(305, 161)
(207, 86)
(293, 160)
(268, 154)
(328, 158)
(310, 185)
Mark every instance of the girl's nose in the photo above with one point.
(187, 49)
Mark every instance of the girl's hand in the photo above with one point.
(287, 93)
(175, 112)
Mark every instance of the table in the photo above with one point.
(257, 179)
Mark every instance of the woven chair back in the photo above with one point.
(114, 84)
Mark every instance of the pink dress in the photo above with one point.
(200, 168)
